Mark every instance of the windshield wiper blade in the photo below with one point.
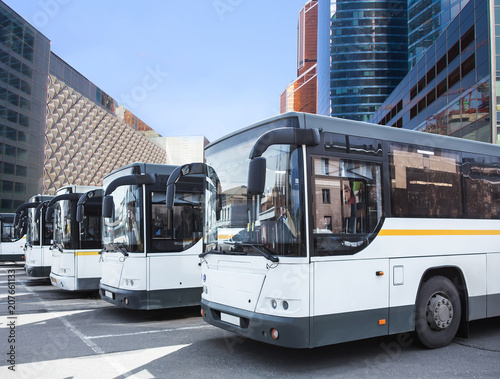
(221, 252)
(57, 246)
(268, 256)
(119, 248)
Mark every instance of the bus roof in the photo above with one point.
(142, 168)
(365, 129)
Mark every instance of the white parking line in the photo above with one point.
(150, 332)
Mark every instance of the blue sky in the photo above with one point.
(200, 67)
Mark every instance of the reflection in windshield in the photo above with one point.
(32, 233)
(62, 224)
(124, 228)
(271, 222)
(184, 228)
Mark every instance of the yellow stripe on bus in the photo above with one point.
(87, 253)
(437, 232)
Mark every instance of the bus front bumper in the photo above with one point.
(38, 271)
(11, 257)
(291, 332)
(146, 300)
(69, 283)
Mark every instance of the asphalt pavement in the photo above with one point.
(48, 332)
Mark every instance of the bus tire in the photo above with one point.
(437, 312)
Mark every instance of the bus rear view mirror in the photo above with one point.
(256, 176)
(79, 213)
(107, 206)
(49, 213)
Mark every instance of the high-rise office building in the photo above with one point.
(24, 68)
(301, 94)
(452, 88)
(368, 54)
(427, 19)
(56, 127)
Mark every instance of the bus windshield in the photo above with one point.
(271, 223)
(8, 231)
(62, 224)
(32, 232)
(123, 231)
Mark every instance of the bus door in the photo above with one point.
(350, 284)
(175, 241)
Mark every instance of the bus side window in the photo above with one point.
(347, 204)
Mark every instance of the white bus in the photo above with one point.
(150, 257)
(12, 242)
(38, 235)
(76, 245)
(351, 231)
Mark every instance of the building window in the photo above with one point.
(467, 38)
(454, 77)
(326, 196)
(413, 112)
(431, 96)
(421, 84)
(328, 223)
(441, 64)
(431, 74)
(413, 92)
(453, 52)
(442, 87)
(325, 169)
(468, 65)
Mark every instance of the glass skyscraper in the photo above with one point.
(427, 19)
(56, 127)
(369, 54)
(24, 68)
(451, 90)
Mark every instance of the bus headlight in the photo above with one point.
(274, 304)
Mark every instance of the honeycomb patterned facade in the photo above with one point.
(84, 143)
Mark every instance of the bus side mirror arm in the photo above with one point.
(179, 172)
(281, 136)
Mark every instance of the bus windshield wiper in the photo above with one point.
(221, 252)
(117, 248)
(268, 256)
(57, 246)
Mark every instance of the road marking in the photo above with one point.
(150, 332)
(129, 364)
(33, 318)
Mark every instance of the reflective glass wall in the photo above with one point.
(448, 91)
(369, 55)
(24, 63)
(426, 21)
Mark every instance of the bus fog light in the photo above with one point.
(125, 301)
(274, 333)
(285, 305)
(274, 304)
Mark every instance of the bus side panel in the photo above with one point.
(351, 300)
(406, 276)
(493, 285)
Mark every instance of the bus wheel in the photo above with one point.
(437, 314)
